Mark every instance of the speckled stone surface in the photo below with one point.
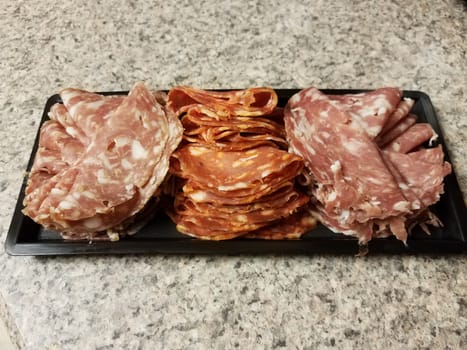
(220, 302)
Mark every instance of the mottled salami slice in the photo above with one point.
(371, 109)
(412, 198)
(412, 138)
(424, 178)
(433, 155)
(396, 130)
(397, 226)
(57, 149)
(363, 231)
(400, 113)
(58, 112)
(88, 110)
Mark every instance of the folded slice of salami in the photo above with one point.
(290, 227)
(397, 130)
(371, 109)
(201, 125)
(247, 103)
(233, 172)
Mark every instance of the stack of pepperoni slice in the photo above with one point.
(237, 179)
(371, 175)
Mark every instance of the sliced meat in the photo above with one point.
(412, 198)
(87, 110)
(396, 130)
(236, 219)
(58, 112)
(356, 188)
(279, 198)
(290, 227)
(341, 157)
(118, 170)
(425, 178)
(249, 102)
(412, 138)
(57, 149)
(210, 228)
(236, 132)
(363, 231)
(433, 155)
(222, 198)
(237, 175)
(235, 171)
(400, 113)
(371, 109)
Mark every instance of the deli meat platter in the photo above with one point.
(160, 234)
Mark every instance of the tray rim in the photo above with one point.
(341, 245)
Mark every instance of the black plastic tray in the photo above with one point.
(160, 236)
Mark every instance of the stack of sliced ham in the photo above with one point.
(100, 162)
(237, 180)
(371, 175)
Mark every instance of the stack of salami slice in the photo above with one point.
(236, 177)
(100, 162)
(371, 174)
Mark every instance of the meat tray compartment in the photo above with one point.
(160, 236)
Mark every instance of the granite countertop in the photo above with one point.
(260, 302)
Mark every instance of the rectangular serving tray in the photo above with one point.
(160, 236)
